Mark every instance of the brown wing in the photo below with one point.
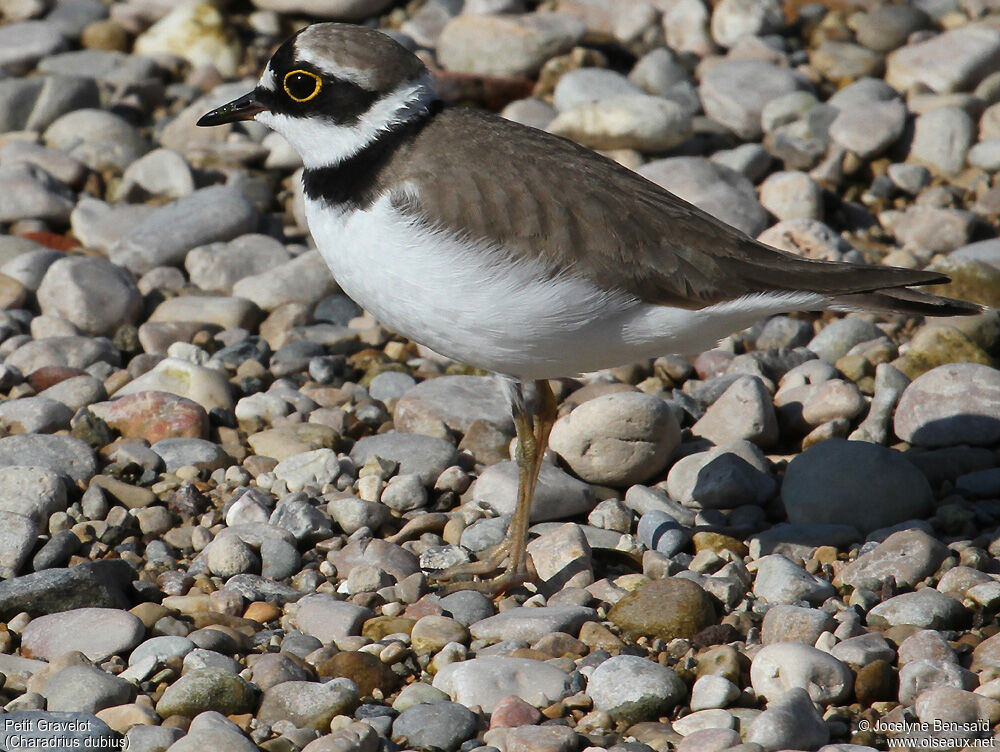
(533, 193)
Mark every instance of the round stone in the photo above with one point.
(96, 632)
(92, 293)
(777, 668)
(617, 439)
(869, 485)
(209, 689)
(154, 416)
(667, 608)
(957, 403)
(439, 725)
(633, 689)
(308, 704)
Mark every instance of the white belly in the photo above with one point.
(477, 305)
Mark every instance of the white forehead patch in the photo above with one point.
(317, 54)
(268, 79)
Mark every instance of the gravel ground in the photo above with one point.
(223, 486)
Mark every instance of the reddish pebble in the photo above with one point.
(52, 240)
(512, 712)
(48, 376)
(428, 605)
(712, 363)
(153, 416)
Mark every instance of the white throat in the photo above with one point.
(321, 143)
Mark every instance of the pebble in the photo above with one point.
(99, 139)
(161, 649)
(30, 193)
(872, 486)
(660, 532)
(919, 676)
(667, 608)
(328, 619)
(531, 624)
(558, 495)
(562, 558)
(308, 704)
(632, 689)
(26, 43)
(925, 608)
(196, 32)
(486, 680)
(586, 85)
(96, 632)
(780, 580)
(93, 294)
(439, 725)
(629, 121)
(453, 403)
(950, 404)
(732, 20)
(103, 584)
(617, 439)
(76, 392)
(506, 46)
(205, 386)
(161, 173)
(153, 416)
(424, 455)
(869, 128)
(734, 92)
(186, 452)
(724, 477)
(164, 237)
(941, 140)
(786, 623)
(955, 60)
(212, 730)
(712, 691)
(792, 195)
(789, 721)
(61, 454)
(338, 10)
(85, 689)
(207, 690)
(810, 238)
(908, 556)
(34, 415)
(743, 412)
(35, 492)
(304, 279)
(777, 668)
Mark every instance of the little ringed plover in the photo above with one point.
(510, 249)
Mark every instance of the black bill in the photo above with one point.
(243, 108)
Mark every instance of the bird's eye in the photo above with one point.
(302, 85)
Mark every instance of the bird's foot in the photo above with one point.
(506, 573)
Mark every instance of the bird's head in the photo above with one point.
(331, 89)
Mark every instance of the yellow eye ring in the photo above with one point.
(317, 85)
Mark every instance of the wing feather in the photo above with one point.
(540, 196)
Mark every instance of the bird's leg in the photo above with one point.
(532, 439)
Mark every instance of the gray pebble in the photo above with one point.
(439, 725)
(166, 235)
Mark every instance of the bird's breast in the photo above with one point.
(463, 298)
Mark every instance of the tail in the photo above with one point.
(853, 287)
(906, 300)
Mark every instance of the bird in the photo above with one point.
(517, 251)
